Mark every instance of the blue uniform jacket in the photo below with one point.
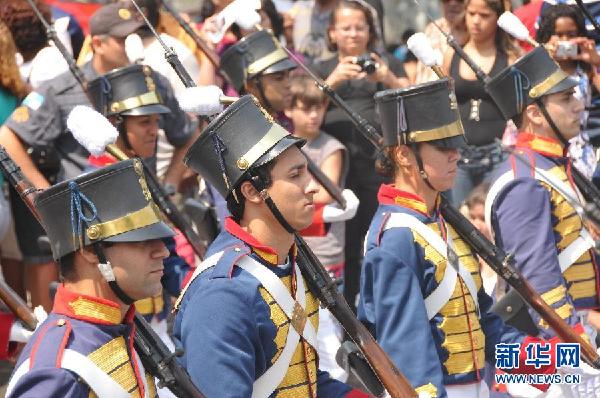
(399, 270)
(91, 326)
(231, 329)
(535, 223)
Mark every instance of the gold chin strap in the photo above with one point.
(149, 98)
(450, 130)
(541, 88)
(138, 219)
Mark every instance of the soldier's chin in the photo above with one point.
(304, 223)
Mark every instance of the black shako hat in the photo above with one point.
(427, 112)
(126, 91)
(112, 204)
(240, 138)
(258, 53)
(532, 76)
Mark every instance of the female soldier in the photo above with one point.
(420, 283)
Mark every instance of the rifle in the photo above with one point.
(155, 355)
(481, 75)
(503, 265)
(320, 283)
(162, 199)
(201, 44)
(17, 306)
(188, 82)
(368, 131)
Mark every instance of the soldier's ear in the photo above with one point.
(403, 156)
(96, 42)
(250, 193)
(88, 255)
(534, 115)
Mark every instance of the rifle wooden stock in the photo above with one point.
(501, 263)
(153, 352)
(28, 193)
(17, 306)
(322, 286)
(201, 44)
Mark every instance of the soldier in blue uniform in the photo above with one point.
(247, 308)
(421, 290)
(106, 233)
(528, 215)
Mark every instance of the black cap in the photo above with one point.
(257, 53)
(126, 91)
(534, 75)
(240, 138)
(114, 20)
(112, 204)
(427, 112)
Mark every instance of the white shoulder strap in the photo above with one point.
(101, 383)
(294, 310)
(204, 265)
(571, 253)
(493, 192)
(441, 294)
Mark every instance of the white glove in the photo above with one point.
(590, 382)
(203, 100)
(241, 12)
(40, 314)
(134, 48)
(91, 129)
(332, 212)
(19, 334)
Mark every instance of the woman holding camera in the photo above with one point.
(356, 72)
(491, 49)
(562, 30)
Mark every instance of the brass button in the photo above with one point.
(242, 164)
(61, 322)
(509, 309)
(93, 232)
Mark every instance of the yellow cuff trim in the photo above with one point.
(429, 389)
(553, 296)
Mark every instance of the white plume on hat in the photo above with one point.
(205, 100)
(91, 129)
(134, 48)
(420, 46)
(512, 25)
